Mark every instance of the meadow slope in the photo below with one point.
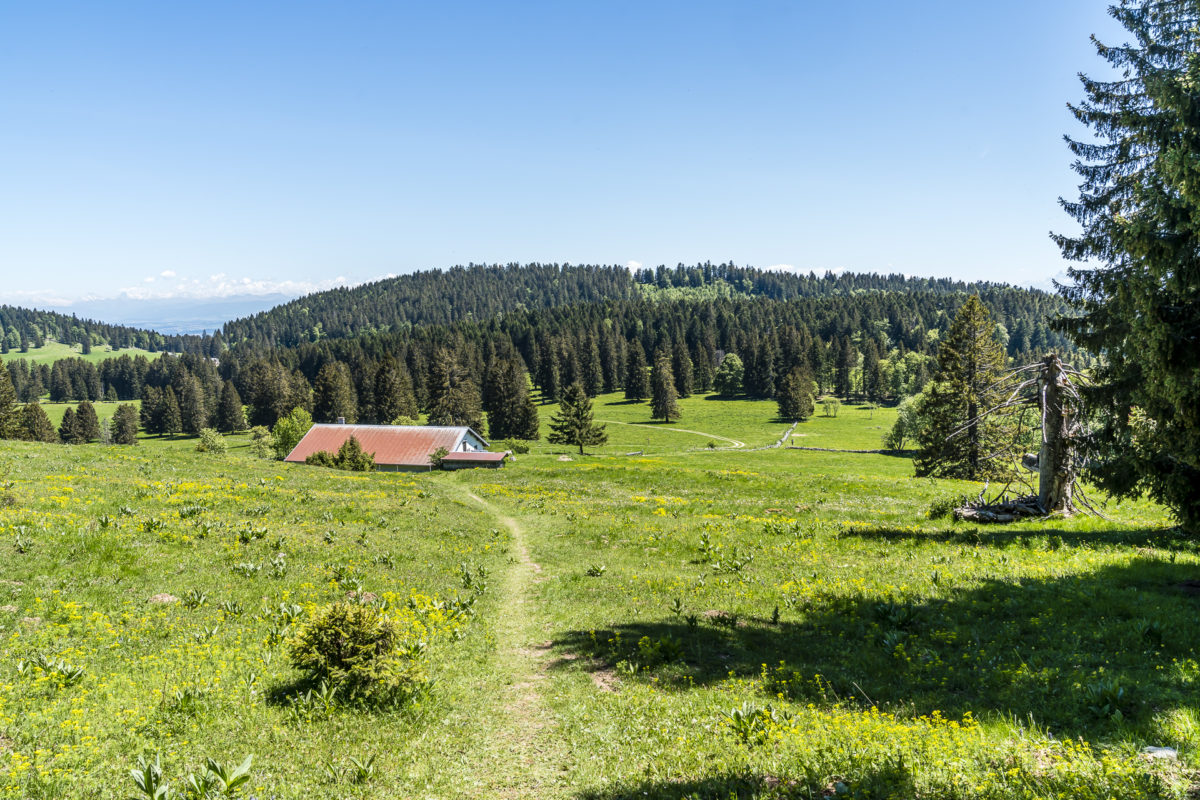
(692, 621)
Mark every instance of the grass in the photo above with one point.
(684, 623)
(104, 409)
(53, 351)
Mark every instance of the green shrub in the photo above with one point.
(350, 645)
(211, 442)
(262, 444)
(289, 430)
(516, 445)
(350, 456)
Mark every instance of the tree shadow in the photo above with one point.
(1002, 536)
(1084, 654)
(886, 780)
(625, 402)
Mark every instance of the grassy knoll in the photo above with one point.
(689, 623)
(53, 351)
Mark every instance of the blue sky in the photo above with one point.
(219, 148)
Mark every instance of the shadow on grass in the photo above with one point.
(888, 780)
(1001, 536)
(1084, 654)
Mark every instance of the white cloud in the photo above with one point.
(782, 267)
(633, 264)
(167, 273)
(172, 287)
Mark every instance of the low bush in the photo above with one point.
(211, 442)
(352, 646)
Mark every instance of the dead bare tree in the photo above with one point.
(1048, 386)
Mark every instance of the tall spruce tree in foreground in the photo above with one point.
(970, 361)
(574, 423)
(663, 396)
(1138, 298)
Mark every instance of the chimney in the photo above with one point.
(341, 421)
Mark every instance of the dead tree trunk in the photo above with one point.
(1056, 472)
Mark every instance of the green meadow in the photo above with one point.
(53, 351)
(686, 622)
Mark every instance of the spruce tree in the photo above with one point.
(637, 378)
(513, 414)
(8, 406)
(574, 423)
(394, 398)
(1137, 298)
(125, 425)
(795, 396)
(681, 368)
(192, 413)
(170, 421)
(87, 423)
(230, 416)
(969, 363)
(454, 397)
(68, 430)
(35, 426)
(151, 410)
(333, 394)
(663, 397)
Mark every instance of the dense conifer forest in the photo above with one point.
(457, 342)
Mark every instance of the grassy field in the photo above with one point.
(686, 623)
(53, 351)
(104, 409)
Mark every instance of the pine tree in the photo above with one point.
(230, 416)
(125, 425)
(35, 426)
(68, 430)
(637, 379)
(574, 423)
(170, 421)
(872, 374)
(1138, 296)
(970, 361)
(795, 397)
(8, 406)
(87, 423)
(333, 394)
(729, 377)
(663, 396)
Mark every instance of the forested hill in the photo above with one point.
(481, 292)
(22, 328)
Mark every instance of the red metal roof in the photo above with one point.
(478, 455)
(401, 445)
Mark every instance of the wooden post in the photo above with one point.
(1056, 472)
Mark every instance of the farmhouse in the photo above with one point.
(401, 448)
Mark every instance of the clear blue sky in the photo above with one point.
(290, 144)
